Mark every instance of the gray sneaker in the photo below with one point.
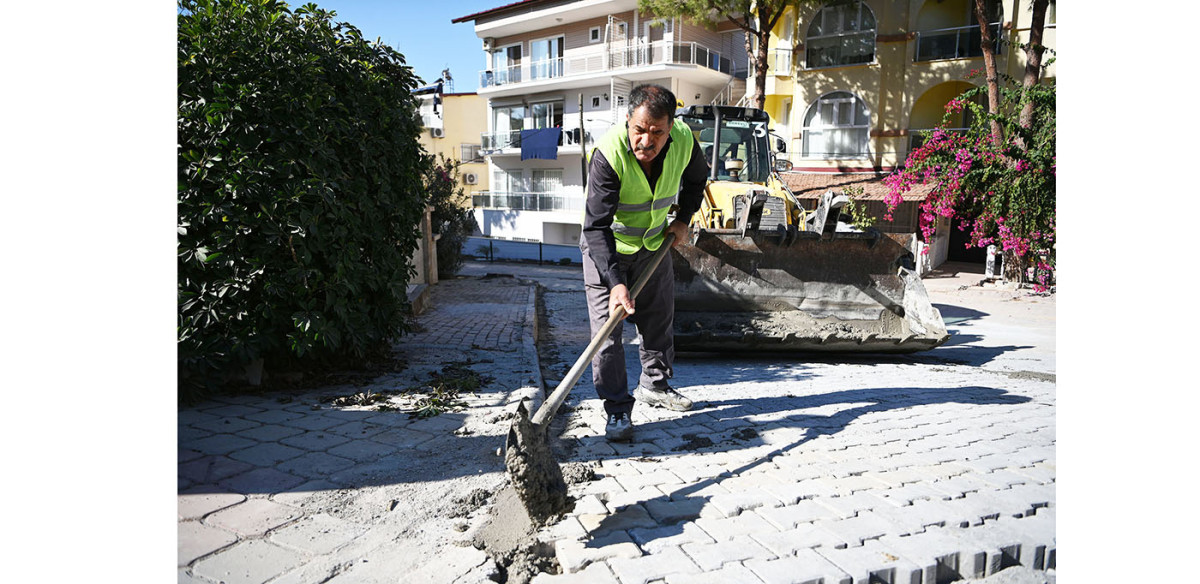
(663, 398)
(619, 428)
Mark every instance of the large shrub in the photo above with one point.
(300, 188)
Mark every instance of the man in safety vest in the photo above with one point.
(635, 173)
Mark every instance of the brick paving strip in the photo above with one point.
(285, 487)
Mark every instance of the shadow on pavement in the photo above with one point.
(731, 435)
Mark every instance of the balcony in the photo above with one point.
(599, 61)
(509, 142)
(960, 42)
(526, 201)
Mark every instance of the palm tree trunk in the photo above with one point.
(1033, 57)
(983, 17)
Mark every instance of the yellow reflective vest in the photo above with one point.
(641, 214)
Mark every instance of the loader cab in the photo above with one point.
(734, 141)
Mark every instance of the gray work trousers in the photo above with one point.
(654, 317)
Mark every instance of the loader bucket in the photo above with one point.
(760, 291)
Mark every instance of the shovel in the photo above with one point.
(535, 474)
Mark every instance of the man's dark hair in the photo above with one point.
(659, 100)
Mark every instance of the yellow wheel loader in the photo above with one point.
(765, 274)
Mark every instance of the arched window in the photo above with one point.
(836, 126)
(842, 33)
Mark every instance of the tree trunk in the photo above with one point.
(1033, 57)
(983, 17)
(760, 68)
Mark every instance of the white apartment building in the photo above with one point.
(556, 74)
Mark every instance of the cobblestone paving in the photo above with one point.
(920, 468)
(285, 487)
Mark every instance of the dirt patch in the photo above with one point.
(463, 506)
(1037, 375)
(575, 473)
(745, 434)
(508, 538)
(694, 442)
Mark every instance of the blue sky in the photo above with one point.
(422, 31)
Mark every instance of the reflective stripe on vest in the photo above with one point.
(641, 215)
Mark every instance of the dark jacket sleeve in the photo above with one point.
(691, 187)
(603, 195)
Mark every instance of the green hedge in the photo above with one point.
(300, 189)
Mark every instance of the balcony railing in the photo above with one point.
(571, 136)
(525, 201)
(953, 43)
(601, 60)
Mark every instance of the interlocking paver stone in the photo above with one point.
(665, 510)
(711, 556)
(266, 454)
(211, 469)
(270, 432)
(197, 539)
(248, 562)
(253, 517)
(640, 570)
(806, 567)
(262, 481)
(315, 440)
(872, 562)
(221, 444)
(316, 465)
(727, 574)
(198, 504)
(317, 534)
(573, 555)
(655, 539)
(790, 516)
(723, 529)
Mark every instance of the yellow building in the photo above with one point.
(852, 83)
(453, 124)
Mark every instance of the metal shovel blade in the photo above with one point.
(535, 474)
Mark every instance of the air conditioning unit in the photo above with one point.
(470, 178)
(438, 132)
(488, 43)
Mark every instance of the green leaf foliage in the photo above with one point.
(300, 189)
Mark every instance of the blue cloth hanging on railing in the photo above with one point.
(541, 143)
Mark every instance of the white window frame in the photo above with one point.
(531, 121)
(535, 62)
(842, 34)
(537, 184)
(595, 35)
(839, 99)
(510, 73)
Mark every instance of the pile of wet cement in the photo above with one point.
(509, 536)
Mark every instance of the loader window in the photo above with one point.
(742, 143)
